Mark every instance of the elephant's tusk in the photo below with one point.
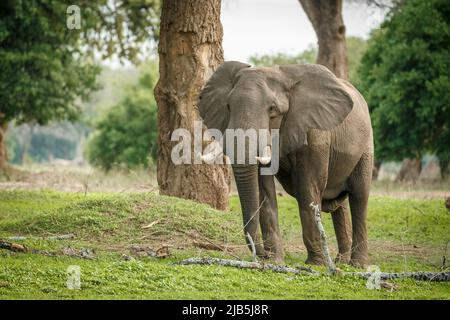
(208, 157)
(211, 156)
(263, 160)
(266, 156)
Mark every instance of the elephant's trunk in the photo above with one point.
(246, 177)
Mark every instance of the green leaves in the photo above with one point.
(307, 56)
(47, 68)
(126, 134)
(41, 77)
(404, 78)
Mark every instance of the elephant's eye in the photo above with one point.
(228, 106)
(273, 111)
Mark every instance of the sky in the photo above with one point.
(271, 26)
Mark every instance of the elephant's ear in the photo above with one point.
(212, 103)
(317, 100)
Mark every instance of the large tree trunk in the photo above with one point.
(190, 49)
(3, 155)
(327, 21)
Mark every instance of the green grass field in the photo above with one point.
(404, 235)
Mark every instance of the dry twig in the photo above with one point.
(252, 245)
(323, 238)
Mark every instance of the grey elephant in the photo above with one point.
(325, 151)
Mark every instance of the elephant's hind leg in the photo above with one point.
(343, 230)
(268, 218)
(359, 185)
(338, 208)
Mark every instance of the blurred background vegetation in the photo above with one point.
(69, 106)
(117, 125)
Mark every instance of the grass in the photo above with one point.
(404, 235)
(408, 220)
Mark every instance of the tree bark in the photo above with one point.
(327, 21)
(3, 154)
(190, 49)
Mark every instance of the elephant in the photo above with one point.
(325, 152)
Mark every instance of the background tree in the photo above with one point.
(190, 49)
(126, 134)
(404, 76)
(47, 68)
(356, 47)
(326, 19)
(41, 77)
(27, 141)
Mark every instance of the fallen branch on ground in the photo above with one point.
(13, 246)
(418, 275)
(16, 247)
(247, 265)
(71, 252)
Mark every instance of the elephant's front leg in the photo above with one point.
(310, 193)
(268, 218)
(311, 178)
(310, 232)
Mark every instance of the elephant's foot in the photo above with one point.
(261, 253)
(276, 257)
(342, 258)
(359, 260)
(315, 259)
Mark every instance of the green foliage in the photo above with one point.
(112, 217)
(111, 223)
(404, 76)
(119, 27)
(41, 75)
(307, 56)
(356, 47)
(110, 277)
(46, 67)
(355, 50)
(63, 139)
(114, 85)
(126, 134)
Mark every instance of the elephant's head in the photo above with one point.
(292, 98)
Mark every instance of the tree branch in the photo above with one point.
(247, 265)
(418, 275)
